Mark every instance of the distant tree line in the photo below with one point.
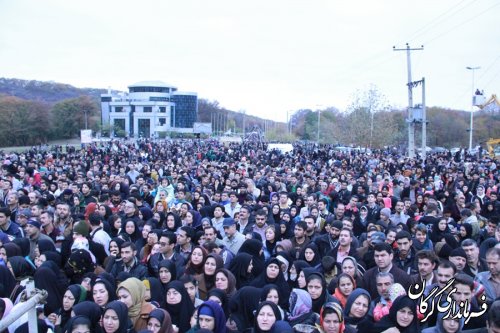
(25, 122)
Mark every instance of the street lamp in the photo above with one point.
(473, 69)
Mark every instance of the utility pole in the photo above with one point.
(319, 120)
(424, 122)
(473, 69)
(244, 129)
(411, 124)
(86, 122)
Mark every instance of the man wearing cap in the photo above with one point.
(459, 258)
(233, 238)
(33, 233)
(12, 229)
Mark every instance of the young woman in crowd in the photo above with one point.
(115, 318)
(132, 293)
(206, 280)
(159, 321)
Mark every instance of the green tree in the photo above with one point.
(23, 122)
(69, 116)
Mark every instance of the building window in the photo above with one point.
(163, 109)
(118, 108)
(162, 121)
(148, 109)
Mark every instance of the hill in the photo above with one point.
(45, 91)
(50, 92)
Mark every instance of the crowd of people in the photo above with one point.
(195, 236)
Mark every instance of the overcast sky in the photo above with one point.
(265, 57)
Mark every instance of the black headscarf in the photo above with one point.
(318, 303)
(75, 321)
(156, 291)
(350, 301)
(177, 222)
(122, 312)
(239, 268)
(299, 265)
(436, 234)
(265, 291)
(45, 278)
(180, 313)
(283, 288)
(109, 286)
(253, 247)
(45, 245)
(316, 260)
(242, 305)
(92, 311)
(170, 265)
(12, 250)
(80, 294)
(54, 256)
(24, 245)
(390, 320)
(276, 312)
(21, 268)
(7, 282)
(221, 295)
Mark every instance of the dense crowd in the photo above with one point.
(197, 236)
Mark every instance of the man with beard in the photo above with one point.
(344, 247)
(426, 262)
(129, 263)
(459, 258)
(383, 259)
(404, 257)
(116, 199)
(63, 221)
(329, 241)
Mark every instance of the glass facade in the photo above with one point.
(144, 128)
(156, 103)
(185, 112)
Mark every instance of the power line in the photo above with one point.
(461, 23)
(434, 22)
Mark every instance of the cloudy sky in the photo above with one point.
(264, 57)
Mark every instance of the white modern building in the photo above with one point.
(149, 107)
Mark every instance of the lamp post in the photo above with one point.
(319, 121)
(473, 69)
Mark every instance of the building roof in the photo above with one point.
(152, 84)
